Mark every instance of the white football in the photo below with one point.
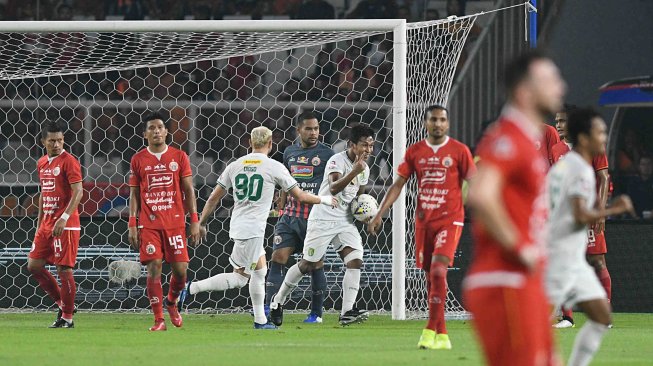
(364, 207)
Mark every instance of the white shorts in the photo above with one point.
(246, 253)
(319, 234)
(568, 287)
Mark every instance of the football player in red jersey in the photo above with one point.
(596, 244)
(57, 227)
(440, 164)
(161, 190)
(503, 288)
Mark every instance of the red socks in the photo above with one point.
(176, 285)
(606, 281)
(568, 313)
(68, 291)
(47, 283)
(437, 297)
(155, 294)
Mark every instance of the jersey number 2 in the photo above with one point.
(248, 187)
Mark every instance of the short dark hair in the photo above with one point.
(579, 121)
(151, 116)
(306, 116)
(517, 70)
(359, 132)
(433, 107)
(567, 108)
(50, 127)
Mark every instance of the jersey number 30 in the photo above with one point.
(248, 187)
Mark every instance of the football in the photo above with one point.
(364, 207)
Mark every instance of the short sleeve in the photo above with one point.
(466, 164)
(581, 185)
(185, 169)
(73, 171)
(499, 151)
(225, 178)
(600, 162)
(407, 167)
(284, 179)
(134, 177)
(334, 166)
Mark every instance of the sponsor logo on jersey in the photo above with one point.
(47, 185)
(421, 161)
(301, 171)
(437, 176)
(291, 159)
(433, 160)
(252, 162)
(316, 161)
(173, 166)
(249, 168)
(147, 169)
(447, 162)
(56, 171)
(159, 167)
(150, 248)
(302, 160)
(159, 180)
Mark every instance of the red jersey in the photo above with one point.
(55, 176)
(599, 162)
(440, 173)
(549, 139)
(510, 148)
(158, 177)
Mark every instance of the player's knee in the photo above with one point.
(241, 279)
(597, 263)
(307, 266)
(34, 268)
(438, 269)
(354, 260)
(279, 256)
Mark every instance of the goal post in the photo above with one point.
(100, 77)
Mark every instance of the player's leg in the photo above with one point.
(241, 258)
(349, 245)
(318, 289)
(151, 255)
(257, 292)
(277, 270)
(596, 250)
(65, 258)
(176, 254)
(42, 249)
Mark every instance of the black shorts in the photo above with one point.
(290, 232)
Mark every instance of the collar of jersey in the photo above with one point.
(158, 154)
(435, 148)
(50, 160)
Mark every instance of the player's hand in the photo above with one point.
(334, 202)
(195, 237)
(529, 256)
(203, 232)
(58, 228)
(623, 204)
(599, 226)
(374, 225)
(360, 163)
(133, 237)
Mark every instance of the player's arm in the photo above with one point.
(584, 216)
(190, 204)
(211, 204)
(305, 197)
(338, 182)
(40, 215)
(76, 196)
(603, 179)
(281, 201)
(389, 199)
(134, 208)
(485, 199)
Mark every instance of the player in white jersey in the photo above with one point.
(345, 177)
(570, 280)
(253, 178)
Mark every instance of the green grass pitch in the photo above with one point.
(123, 339)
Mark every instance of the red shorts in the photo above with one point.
(167, 244)
(60, 251)
(436, 239)
(512, 324)
(596, 243)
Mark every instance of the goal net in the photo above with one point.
(217, 80)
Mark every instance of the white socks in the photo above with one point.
(293, 276)
(221, 282)
(350, 285)
(587, 342)
(257, 294)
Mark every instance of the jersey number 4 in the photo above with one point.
(248, 187)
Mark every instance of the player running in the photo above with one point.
(57, 226)
(253, 178)
(503, 288)
(570, 280)
(596, 244)
(161, 187)
(306, 161)
(441, 164)
(345, 178)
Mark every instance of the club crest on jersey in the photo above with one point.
(56, 171)
(277, 239)
(316, 161)
(152, 217)
(150, 248)
(302, 160)
(252, 266)
(173, 166)
(538, 145)
(447, 162)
